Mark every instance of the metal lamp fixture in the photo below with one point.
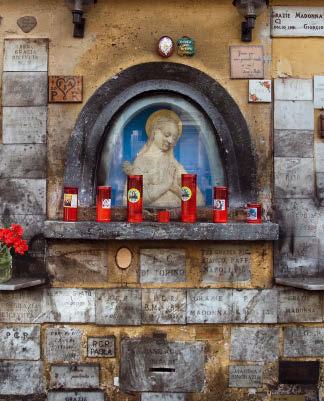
(78, 7)
(249, 9)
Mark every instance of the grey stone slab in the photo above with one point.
(21, 378)
(293, 143)
(226, 263)
(289, 114)
(23, 161)
(318, 91)
(254, 344)
(293, 89)
(320, 185)
(23, 196)
(305, 283)
(299, 306)
(24, 124)
(163, 397)
(294, 177)
(21, 307)
(74, 376)
(20, 283)
(63, 344)
(319, 157)
(25, 55)
(101, 347)
(245, 376)
(32, 224)
(20, 342)
(156, 365)
(118, 307)
(69, 305)
(162, 265)
(76, 396)
(163, 306)
(24, 89)
(303, 342)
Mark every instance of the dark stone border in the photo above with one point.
(232, 134)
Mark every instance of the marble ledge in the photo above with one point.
(200, 231)
(305, 283)
(20, 283)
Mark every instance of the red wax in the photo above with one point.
(163, 216)
(253, 211)
(188, 198)
(220, 204)
(103, 203)
(70, 204)
(135, 198)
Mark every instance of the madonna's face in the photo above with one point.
(166, 135)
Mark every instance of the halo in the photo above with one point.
(165, 114)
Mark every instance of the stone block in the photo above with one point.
(21, 307)
(249, 376)
(254, 344)
(101, 347)
(293, 89)
(63, 344)
(163, 397)
(118, 307)
(20, 343)
(293, 143)
(25, 55)
(163, 306)
(76, 396)
(319, 157)
(24, 125)
(74, 376)
(303, 342)
(299, 306)
(291, 115)
(24, 89)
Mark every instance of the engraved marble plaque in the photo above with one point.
(163, 306)
(289, 114)
(21, 307)
(293, 89)
(162, 266)
(254, 344)
(245, 376)
(246, 62)
(303, 341)
(318, 91)
(163, 397)
(223, 263)
(63, 344)
(74, 376)
(76, 396)
(25, 55)
(20, 343)
(319, 157)
(299, 306)
(293, 143)
(118, 307)
(101, 347)
(64, 89)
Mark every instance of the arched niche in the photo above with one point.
(102, 109)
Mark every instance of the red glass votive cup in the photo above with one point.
(135, 198)
(163, 216)
(253, 213)
(220, 205)
(103, 204)
(188, 198)
(70, 204)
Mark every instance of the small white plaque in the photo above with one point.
(319, 91)
(259, 90)
(25, 55)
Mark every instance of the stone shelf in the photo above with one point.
(20, 283)
(306, 283)
(90, 230)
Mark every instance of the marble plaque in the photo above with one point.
(320, 185)
(21, 378)
(27, 23)
(64, 89)
(294, 177)
(162, 266)
(74, 376)
(226, 263)
(24, 124)
(289, 114)
(254, 344)
(260, 91)
(118, 307)
(102, 347)
(297, 21)
(319, 157)
(25, 55)
(246, 62)
(69, 305)
(63, 344)
(318, 91)
(299, 306)
(293, 89)
(245, 376)
(76, 396)
(303, 342)
(293, 143)
(20, 343)
(163, 397)
(21, 307)
(163, 306)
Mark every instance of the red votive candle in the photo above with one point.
(188, 198)
(135, 198)
(253, 213)
(103, 203)
(70, 204)
(163, 216)
(220, 205)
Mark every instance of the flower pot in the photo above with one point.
(5, 267)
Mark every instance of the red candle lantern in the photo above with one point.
(188, 198)
(135, 198)
(163, 216)
(220, 204)
(103, 203)
(70, 204)
(253, 211)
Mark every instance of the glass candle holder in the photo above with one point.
(188, 198)
(163, 216)
(70, 204)
(253, 213)
(220, 205)
(103, 204)
(135, 198)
